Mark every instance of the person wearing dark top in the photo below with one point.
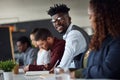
(46, 41)
(103, 57)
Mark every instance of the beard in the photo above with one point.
(62, 30)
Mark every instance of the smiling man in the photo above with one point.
(76, 39)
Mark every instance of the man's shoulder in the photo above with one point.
(75, 27)
(81, 30)
(74, 30)
(60, 41)
(32, 50)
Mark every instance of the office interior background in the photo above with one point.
(24, 15)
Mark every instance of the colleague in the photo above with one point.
(32, 37)
(46, 41)
(103, 57)
(76, 38)
(43, 56)
(27, 53)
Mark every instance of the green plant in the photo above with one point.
(7, 65)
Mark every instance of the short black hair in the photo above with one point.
(34, 30)
(58, 8)
(42, 34)
(23, 40)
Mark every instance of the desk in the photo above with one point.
(19, 77)
(23, 77)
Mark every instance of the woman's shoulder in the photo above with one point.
(114, 43)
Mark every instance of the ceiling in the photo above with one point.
(28, 10)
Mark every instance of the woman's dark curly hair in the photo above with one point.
(107, 20)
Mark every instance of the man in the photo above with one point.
(76, 39)
(27, 53)
(32, 37)
(46, 41)
(43, 56)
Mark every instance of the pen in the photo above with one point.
(56, 63)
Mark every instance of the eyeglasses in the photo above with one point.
(57, 19)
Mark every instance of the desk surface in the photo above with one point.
(22, 76)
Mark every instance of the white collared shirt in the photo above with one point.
(43, 57)
(75, 44)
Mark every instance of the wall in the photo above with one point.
(29, 10)
(6, 46)
(24, 28)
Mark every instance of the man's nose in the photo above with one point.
(57, 22)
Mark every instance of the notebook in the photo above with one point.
(36, 73)
(45, 76)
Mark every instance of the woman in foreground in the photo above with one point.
(103, 57)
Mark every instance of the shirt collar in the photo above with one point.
(68, 30)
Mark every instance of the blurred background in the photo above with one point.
(24, 15)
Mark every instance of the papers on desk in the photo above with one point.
(36, 73)
(39, 75)
(44, 76)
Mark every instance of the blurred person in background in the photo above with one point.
(27, 53)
